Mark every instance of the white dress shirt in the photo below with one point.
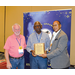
(53, 37)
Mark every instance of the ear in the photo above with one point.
(34, 27)
(60, 25)
(13, 30)
(41, 26)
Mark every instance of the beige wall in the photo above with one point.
(1, 28)
(14, 14)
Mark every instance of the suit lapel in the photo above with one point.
(57, 35)
(51, 38)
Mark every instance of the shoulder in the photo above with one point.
(45, 34)
(11, 36)
(31, 35)
(62, 34)
(21, 35)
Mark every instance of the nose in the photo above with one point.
(37, 26)
(17, 30)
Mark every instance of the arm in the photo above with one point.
(47, 43)
(61, 47)
(7, 47)
(7, 59)
(29, 47)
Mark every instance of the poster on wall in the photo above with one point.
(46, 18)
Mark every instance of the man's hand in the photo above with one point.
(45, 52)
(33, 53)
(9, 66)
(43, 55)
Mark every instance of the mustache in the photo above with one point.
(17, 33)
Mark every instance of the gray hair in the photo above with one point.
(15, 24)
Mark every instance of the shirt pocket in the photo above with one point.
(43, 40)
(55, 43)
(56, 40)
(13, 45)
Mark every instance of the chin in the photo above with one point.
(17, 33)
(38, 31)
(55, 30)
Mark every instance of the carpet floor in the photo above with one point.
(3, 64)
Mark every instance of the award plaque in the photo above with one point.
(39, 48)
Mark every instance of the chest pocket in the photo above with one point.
(13, 45)
(55, 43)
(42, 40)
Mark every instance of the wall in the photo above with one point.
(14, 14)
(1, 28)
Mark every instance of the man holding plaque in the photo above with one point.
(58, 54)
(38, 43)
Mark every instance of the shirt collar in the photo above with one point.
(15, 36)
(55, 33)
(37, 33)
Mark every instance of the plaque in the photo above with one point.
(39, 48)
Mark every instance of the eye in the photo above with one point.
(55, 25)
(37, 26)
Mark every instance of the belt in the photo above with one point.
(15, 57)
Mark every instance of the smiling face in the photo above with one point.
(37, 27)
(56, 26)
(16, 29)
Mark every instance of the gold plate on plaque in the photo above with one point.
(39, 48)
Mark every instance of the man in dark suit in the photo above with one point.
(58, 54)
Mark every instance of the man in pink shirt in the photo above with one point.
(14, 49)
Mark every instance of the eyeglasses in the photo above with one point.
(37, 26)
(55, 25)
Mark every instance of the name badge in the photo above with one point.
(20, 50)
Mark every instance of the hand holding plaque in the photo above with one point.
(39, 48)
(33, 53)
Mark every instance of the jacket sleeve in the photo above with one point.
(47, 43)
(62, 44)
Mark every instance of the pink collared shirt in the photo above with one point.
(12, 45)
